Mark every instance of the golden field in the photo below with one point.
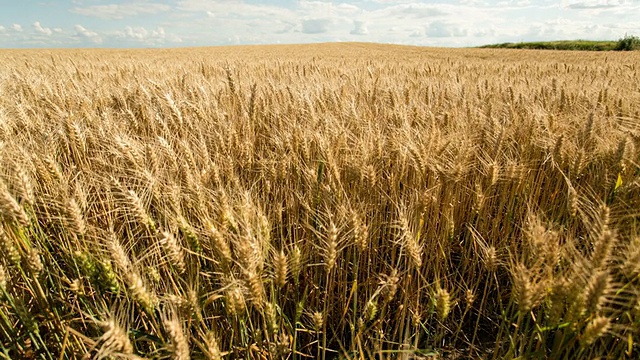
(319, 201)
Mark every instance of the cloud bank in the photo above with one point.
(166, 23)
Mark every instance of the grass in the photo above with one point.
(319, 201)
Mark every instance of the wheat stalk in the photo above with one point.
(595, 329)
(173, 250)
(11, 209)
(114, 340)
(179, 346)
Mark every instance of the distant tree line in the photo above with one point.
(626, 43)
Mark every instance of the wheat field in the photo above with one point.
(319, 201)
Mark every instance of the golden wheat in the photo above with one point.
(335, 200)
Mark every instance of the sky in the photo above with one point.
(179, 23)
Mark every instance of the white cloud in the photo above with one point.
(42, 30)
(17, 27)
(417, 10)
(315, 26)
(567, 28)
(237, 21)
(138, 33)
(391, 1)
(148, 37)
(235, 9)
(593, 4)
(359, 28)
(120, 11)
(347, 7)
(84, 33)
(417, 33)
(445, 29)
(485, 31)
(512, 3)
(2, 29)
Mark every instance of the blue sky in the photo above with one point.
(174, 23)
